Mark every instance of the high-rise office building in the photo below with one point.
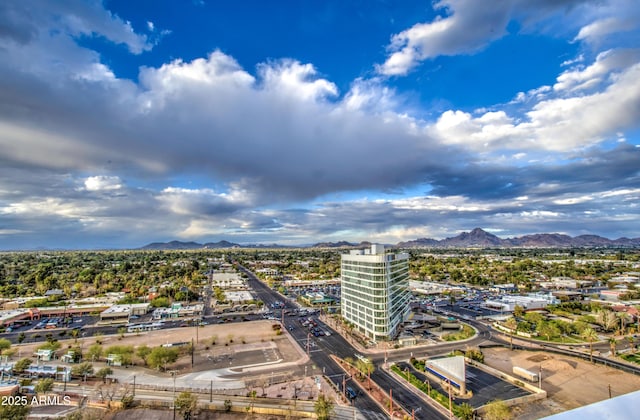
(375, 291)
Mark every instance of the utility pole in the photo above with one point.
(450, 400)
(173, 373)
(344, 386)
(540, 377)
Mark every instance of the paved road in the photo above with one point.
(320, 349)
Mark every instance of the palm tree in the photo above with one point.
(632, 343)
(512, 324)
(588, 334)
(366, 367)
(612, 345)
(323, 407)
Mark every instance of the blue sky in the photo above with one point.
(123, 123)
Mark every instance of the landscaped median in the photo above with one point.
(462, 411)
(384, 399)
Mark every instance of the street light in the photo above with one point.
(173, 373)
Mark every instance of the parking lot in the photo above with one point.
(484, 387)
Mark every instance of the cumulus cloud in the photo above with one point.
(102, 183)
(26, 20)
(467, 26)
(558, 124)
(262, 141)
(595, 74)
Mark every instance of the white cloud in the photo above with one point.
(256, 142)
(595, 74)
(625, 18)
(467, 26)
(102, 183)
(561, 124)
(292, 78)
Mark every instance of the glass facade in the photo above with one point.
(375, 292)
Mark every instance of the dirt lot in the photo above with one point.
(227, 337)
(569, 382)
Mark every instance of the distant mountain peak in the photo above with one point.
(483, 239)
(179, 245)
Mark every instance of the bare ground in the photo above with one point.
(569, 382)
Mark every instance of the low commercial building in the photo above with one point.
(177, 310)
(59, 373)
(121, 313)
(528, 302)
(239, 296)
(564, 283)
(449, 369)
(317, 298)
(228, 281)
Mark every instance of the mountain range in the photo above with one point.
(477, 238)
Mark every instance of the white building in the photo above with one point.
(530, 301)
(375, 291)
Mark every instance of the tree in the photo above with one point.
(589, 335)
(160, 357)
(227, 405)
(323, 407)
(160, 302)
(121, 332)
(548, 330)
(83, 369)
(21, 337)
(465, 411)
(497, 410)
(125, 353)
(14, 411)
(512, 325)
(607, 319)
(186, 404)
(95, 352)
(52, 345)
(366, 368)
(44, 385)
(612, 346)
(103, 373)
(474, 353)
(632, 343)
(4, 344)
(77, 354)
(114, 391)
(21, 365)
(142, 352)
(518, 311)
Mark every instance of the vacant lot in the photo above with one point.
(569, 382)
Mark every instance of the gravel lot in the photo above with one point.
(569, 382)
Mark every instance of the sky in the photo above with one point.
(296, 122)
